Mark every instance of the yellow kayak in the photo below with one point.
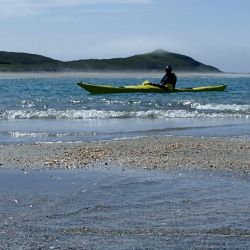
(144, 87)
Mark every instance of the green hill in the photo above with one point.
(15, 61)
(154, 61)
(23, 58)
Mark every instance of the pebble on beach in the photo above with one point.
(147, 153)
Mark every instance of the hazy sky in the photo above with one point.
(215, 32)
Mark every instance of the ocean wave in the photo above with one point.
(112, 114)
(222, 107)
(60, 114)
(27, 134)
(19, 134)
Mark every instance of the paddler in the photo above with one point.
(168, 81)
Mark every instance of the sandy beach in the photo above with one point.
(169, 153)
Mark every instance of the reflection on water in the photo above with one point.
(123, 209)
(24, 131)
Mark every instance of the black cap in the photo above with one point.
(168, 68)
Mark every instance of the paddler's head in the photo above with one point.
(168, 69)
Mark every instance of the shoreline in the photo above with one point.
(163, 153)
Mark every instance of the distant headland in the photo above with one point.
(152, 62)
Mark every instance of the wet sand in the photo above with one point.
(169, 153)
(120, 208)
(115, 208)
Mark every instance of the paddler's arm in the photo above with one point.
(160, 86)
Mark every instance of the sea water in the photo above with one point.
(47, 108)
(123, 209)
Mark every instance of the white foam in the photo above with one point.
(221, 107)
(112, 114)
(27, 134)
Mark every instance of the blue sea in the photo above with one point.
(52, 108)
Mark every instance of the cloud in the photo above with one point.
(10, 8)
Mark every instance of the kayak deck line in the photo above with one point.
(145, 87)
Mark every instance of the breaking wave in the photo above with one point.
(198, 111)
(222, 107)
(18, 134)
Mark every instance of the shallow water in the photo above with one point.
(45, 109)
(123, 209)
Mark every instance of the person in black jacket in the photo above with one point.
(168, 81)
